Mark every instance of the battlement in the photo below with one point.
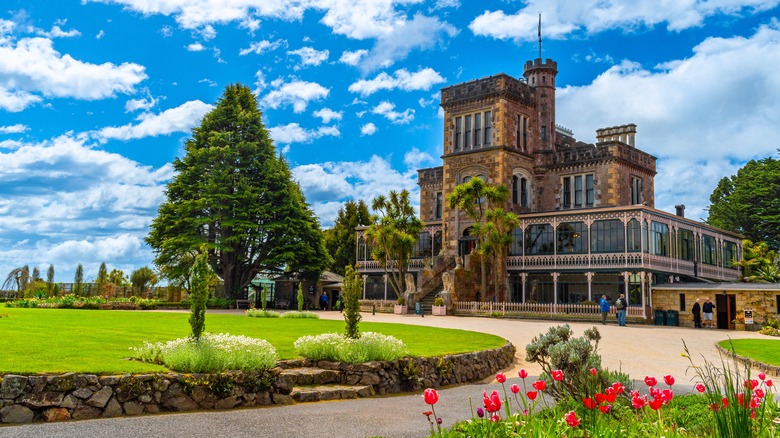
(537, 64)
(623, 134)
(490, 86)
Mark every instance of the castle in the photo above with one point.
(588, 222)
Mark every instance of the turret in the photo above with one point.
(541, 76)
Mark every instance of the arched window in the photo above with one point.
(607, 236)
(362, 254)
(634, 235)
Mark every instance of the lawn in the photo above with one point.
(37, 341)
(762, 350)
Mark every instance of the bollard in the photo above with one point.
(373, 309)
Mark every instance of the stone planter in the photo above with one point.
(400, 309)
(439, 310)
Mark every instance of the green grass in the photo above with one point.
(37, 341)
(762, 350)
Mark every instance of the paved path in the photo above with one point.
(637, 350)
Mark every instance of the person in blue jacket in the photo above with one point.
(604, 305)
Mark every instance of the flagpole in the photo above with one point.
(540, 35)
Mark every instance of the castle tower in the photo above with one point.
(541, 76)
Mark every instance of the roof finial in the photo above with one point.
(540, 35)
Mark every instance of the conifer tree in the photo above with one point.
(78, 281)
(340, 240)
(50, 280)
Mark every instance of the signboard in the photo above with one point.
(748, 317)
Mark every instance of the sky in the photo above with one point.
(97, 98)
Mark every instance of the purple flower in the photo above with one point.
(480, 413)
(438, 420)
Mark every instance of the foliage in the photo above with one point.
(304, 314)
(142, 278)
(36, 289)
(117, 277)
(199, 294)
(102, 278)
(558, 349)
(234, 194)
(340, 240)
(745, 202)
(353, 286)
(36, 274)
(262, 313)
(210, 353)
(497, 238)
(743, 406)
(71, 301)
(50, 280)
(300, 297)
(78, 280)
(337, 347)
(401, 301)
(392, 235)
(438, 301)
(475, 197)
(757, 261)
(263, 298)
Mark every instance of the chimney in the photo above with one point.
(680, 209)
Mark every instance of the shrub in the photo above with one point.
(301, 314)
(211, 353)
(337, 347)
(438, 301)
(401, 301)
(260, 313)
(353, 285)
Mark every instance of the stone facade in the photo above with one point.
(731, 300)
(25, 399)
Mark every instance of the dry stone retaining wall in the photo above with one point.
(71, 396)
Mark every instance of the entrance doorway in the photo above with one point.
(467, 243)
(726, 309)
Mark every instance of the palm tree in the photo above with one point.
(475, 197)
(497, 231)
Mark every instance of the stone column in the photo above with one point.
(590, 285)
(524, 276)
(364, 286)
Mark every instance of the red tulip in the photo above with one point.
(515, 389)
(638, 402)
(700, 387)
(650, 381)
(540, 385)
(523, 374)
(754, 402)
(605, 409)
(427, 413)
(431, 396)
(600, 398)
(501, 377)
(571, 419)
(618, 387)
(725, 402)
(759, 393)
(589, 403)
(531, 395)
(656, 404)
(667, 395)
(669, 380)
(762, 375)
(593, 371)
(557, 375)
(495, 418)
(768, 382)
(492, 402)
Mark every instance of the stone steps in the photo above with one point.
(310, 376)
(306, 394)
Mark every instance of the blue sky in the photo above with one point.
(98, 96)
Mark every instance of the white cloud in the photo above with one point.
(143, 104)
(100, 35)
(14, 129)
(33, 67)
(368, 129)
(561, 17)
(415, 158)
(352, 58)
(310, 56)
(327, 114)
(260, 47)
(296, 93)
(195, 47)
(422, 79)
(57, 32)
(387, 110)
(723, 99)
(293, 133)
(180, 119)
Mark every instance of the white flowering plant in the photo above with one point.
(337, 347)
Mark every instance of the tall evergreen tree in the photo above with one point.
(234, 194)
(199, 294)
(340, 240)
(747, 203)
(102, 278)
(36, 274)
(78, 280)
(50, 280)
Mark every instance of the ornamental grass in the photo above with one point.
(262, 313)
(305, 314)
(337, 347)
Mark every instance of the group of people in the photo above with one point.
(620, 304)
(324, 300)
(704, 310)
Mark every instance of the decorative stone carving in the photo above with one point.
(411, 288)
(448, 280)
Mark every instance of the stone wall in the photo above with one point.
(71, 396)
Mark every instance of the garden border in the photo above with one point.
(768, 369)
(71, 396)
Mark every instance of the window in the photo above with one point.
(516, 247)
(572, 238)
(424, 246)
(729, 254)
(457, 142)
(659, 238)
(544, 133)
(682, 302)
(515, 194)
(685, 244)
(607, 236)
(539, 239)
(708, 250)
(636, 190)
(518, 140)
(634, 234)
(438, 205)
(577, 195)
(468, 132)
(477, 131)
(523, 192)
(520, 191)
(488, 128)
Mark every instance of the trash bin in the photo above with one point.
(660, 317)
(417, 308)
(672, 318)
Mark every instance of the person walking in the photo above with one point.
(696, 311)
(707, 309)
(604, 306)
(621, 305)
